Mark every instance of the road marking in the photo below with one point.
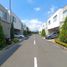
(34, 42)
(35, 62)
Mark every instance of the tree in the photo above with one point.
(63, 32)
(2, 38)
(24, 32)
(27, 32)
(43, 33)
(12, 31)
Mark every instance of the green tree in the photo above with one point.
(24, 32)
(43, 33)
(2, 38)
(27, 32)
(12, 31)
(63, 32)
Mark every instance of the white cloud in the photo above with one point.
(33, 24)
(52, 10)
(37, 9)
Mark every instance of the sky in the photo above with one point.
(34, 12)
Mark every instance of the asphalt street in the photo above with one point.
(36, 52)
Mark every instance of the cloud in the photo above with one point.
(52, 10)
(37, 9)
(33, 24)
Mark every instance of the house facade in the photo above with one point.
(16, 23)
(6, 18)
(56, 20)
(5, 22)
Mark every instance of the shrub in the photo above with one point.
(2, 38)
(15, 40)
(43, 33)
(63, 32)
(25, 33)
(61, 43)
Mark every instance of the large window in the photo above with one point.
(55, 18)
(3, 15)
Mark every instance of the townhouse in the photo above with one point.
(5, 21)
(16, 23)
(56, 20)
(6, 18)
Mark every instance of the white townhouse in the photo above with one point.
(17, 23)
(6, 18)
(56, 20)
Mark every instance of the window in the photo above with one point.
(13, 19)
(5, 16)
(49, 21)
(1, 14)
(55, 18)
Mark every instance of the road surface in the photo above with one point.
(37, 52)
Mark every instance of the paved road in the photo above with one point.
(37, 52)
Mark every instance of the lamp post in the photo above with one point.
(10, 9)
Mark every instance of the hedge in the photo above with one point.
(61, 43)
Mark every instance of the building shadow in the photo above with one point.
(6, 54)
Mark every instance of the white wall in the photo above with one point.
(43, 26)
(17, 23)
(56, 23)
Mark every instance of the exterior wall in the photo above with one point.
(64, 15)
(16, 21)
(64, 12)
(4, 19)
(22, 29)
(6, 23)
(44, 26)
(56, 20)
(6, 28)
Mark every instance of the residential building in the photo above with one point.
(4, 20)
(17, 23)
(56, 20)
(43, 27)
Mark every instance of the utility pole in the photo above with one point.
(10, 9)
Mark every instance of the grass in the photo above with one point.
(61, 43)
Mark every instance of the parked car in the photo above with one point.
(20, 37)
(52, 36)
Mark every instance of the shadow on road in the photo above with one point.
(8, 53)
